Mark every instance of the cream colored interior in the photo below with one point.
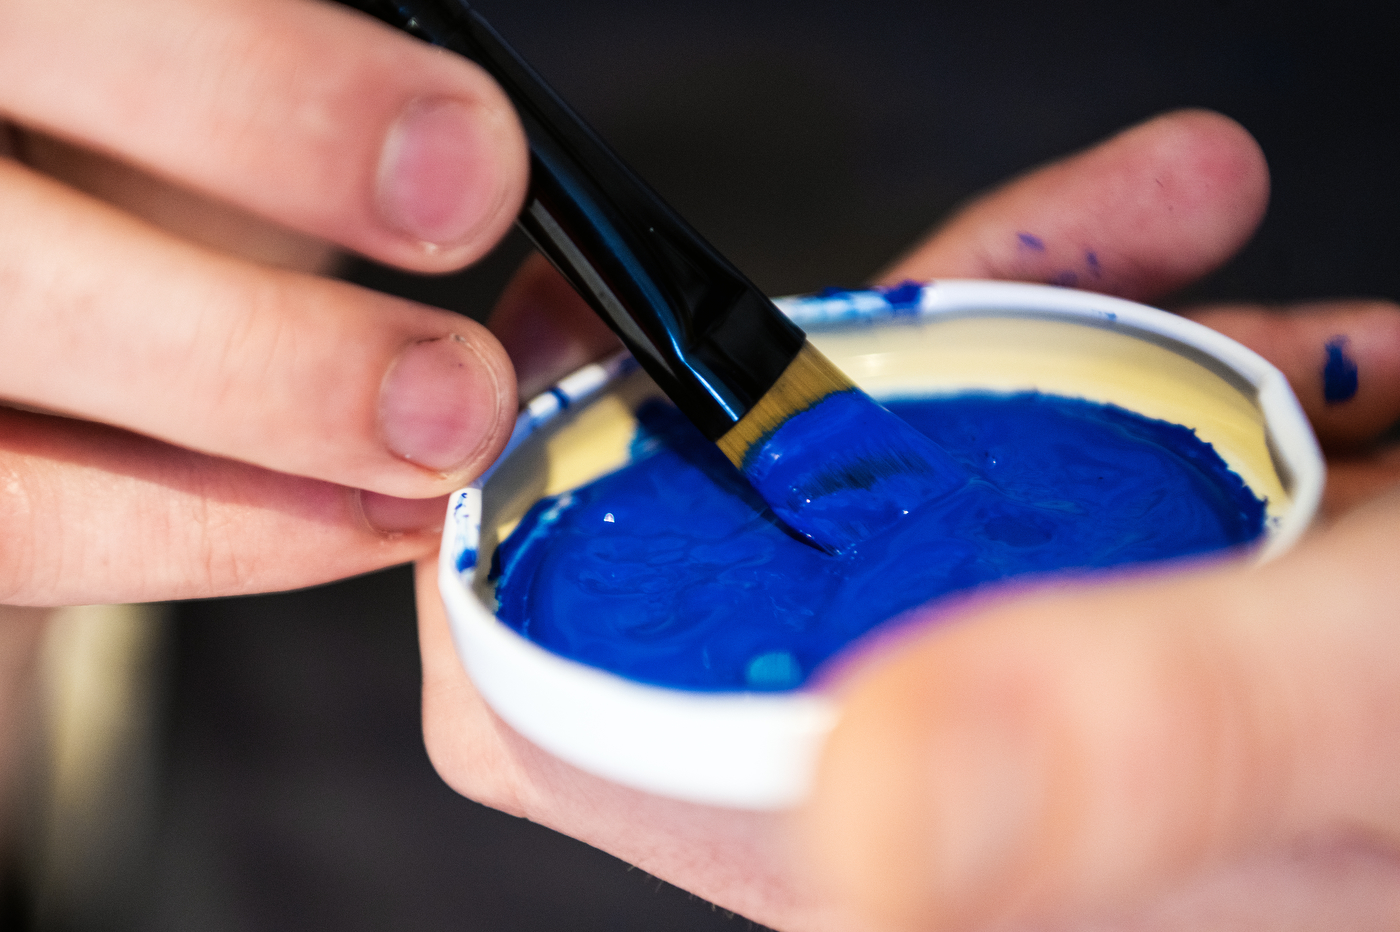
(934, 356)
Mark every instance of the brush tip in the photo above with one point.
(808, 378)
(835, 466)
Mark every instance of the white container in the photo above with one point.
(757, 750)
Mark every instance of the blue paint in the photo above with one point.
(1065, 279)
(671, 571)
(1091, 259)
(561, 397)
(906, 296)
(846, 468)
(1031, 241)
(466, 560)
(1340, 376)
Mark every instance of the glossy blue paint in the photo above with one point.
(846, 468)
(671, 570)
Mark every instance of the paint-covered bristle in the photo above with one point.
(808, 379)
(833, 464)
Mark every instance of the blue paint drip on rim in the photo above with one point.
(906, 296)
(1340, 376)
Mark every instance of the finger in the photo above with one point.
(305, 113)
(199, 219)
(111, 320)
(9, 141)
(546, 328)
(1078, 751)
(1353, 481)
(94, 514)
(1341, 357)
(1138, 215)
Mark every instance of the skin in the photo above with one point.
(230, 421)
(187, 407)
(194, 412)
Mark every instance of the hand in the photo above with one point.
(1159, 206)
(189, 415)
(1202, 749)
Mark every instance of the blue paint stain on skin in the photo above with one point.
(1065, 279)
(1091, 261)
(1340, 377)
(1031, 241)
(693, 583)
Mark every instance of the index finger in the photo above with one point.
(308, 114)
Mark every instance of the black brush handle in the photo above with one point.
(710, 339)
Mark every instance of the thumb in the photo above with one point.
(1071, 752)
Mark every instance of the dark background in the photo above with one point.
(811, 142)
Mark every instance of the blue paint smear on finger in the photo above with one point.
(1340, 377)
(1031, 241)
(672, 571)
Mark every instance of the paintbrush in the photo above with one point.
(832, 464)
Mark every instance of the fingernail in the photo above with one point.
(438, 404)
(389, 515)
(438, 178)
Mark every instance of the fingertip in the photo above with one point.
(428, 161)
(1211, 174)
(447, 403)
(451, 179)
(1341, 357)
(313, 116)
(1222, 149)
(450, 167)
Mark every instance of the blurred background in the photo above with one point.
(252, 764)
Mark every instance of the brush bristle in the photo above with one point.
(808, 379)
(833, 465)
